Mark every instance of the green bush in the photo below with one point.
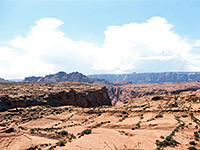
(168, 138)
(159, 115)
(120, 120)
(168, 142)
(192, 148)
(196, 138)
(184, 116)
(199, 131)
(63, 133)
(193, 143)
(32, 131)
(124, 112)
(61, 143)
(87, 131)
(138, 125)
(196, 134)
(162, 137)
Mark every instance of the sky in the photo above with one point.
(40, 37)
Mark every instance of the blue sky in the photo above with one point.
(98, 36)
(84, 18)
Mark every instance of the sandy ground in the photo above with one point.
(144, 123)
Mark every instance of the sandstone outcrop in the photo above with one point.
(119, 94)
(60, 94)
(93, 98)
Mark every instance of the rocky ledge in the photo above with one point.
(120, 94)
(14, 95)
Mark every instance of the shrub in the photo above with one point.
(125, 116)
(73, 136)
(162, 137)
(196, 138)
(150, 119)
(196, 134)
(193, 143)
(176, 130)
(124, 112)
(61, 143)
(63, 133)
(159, 115)
(184, 116)
(168, 138)
(138, 125)
(33, 148)
(32, 131)
(87, 131)
(192, 148)
(20, 127)
(120, 120)
(168, 142)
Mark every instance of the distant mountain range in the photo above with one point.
(73, 77)
(3, 80)
(115, 79)
(60, 77)
(144, 78)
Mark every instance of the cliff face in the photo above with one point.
(143, 78)
(129, 92)
(85, 99)
(75, 94)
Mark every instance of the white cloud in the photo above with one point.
(131, 43)
(46, 44)
(148, 46)
(14, 65)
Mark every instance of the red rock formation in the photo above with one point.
(121, 94)
(82, 95)
(84, 99)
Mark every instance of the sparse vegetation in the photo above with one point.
(133, 118)
(87, 131)
(61, 143)
(192, 148)
(63, 133)
(193, 143)
(169, 141)
(159, 115)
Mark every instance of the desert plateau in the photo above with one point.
(39, 116)
(99, 75)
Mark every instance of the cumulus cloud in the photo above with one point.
(14, 65)
(134, 46)
(149, 46)
(47, 45)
